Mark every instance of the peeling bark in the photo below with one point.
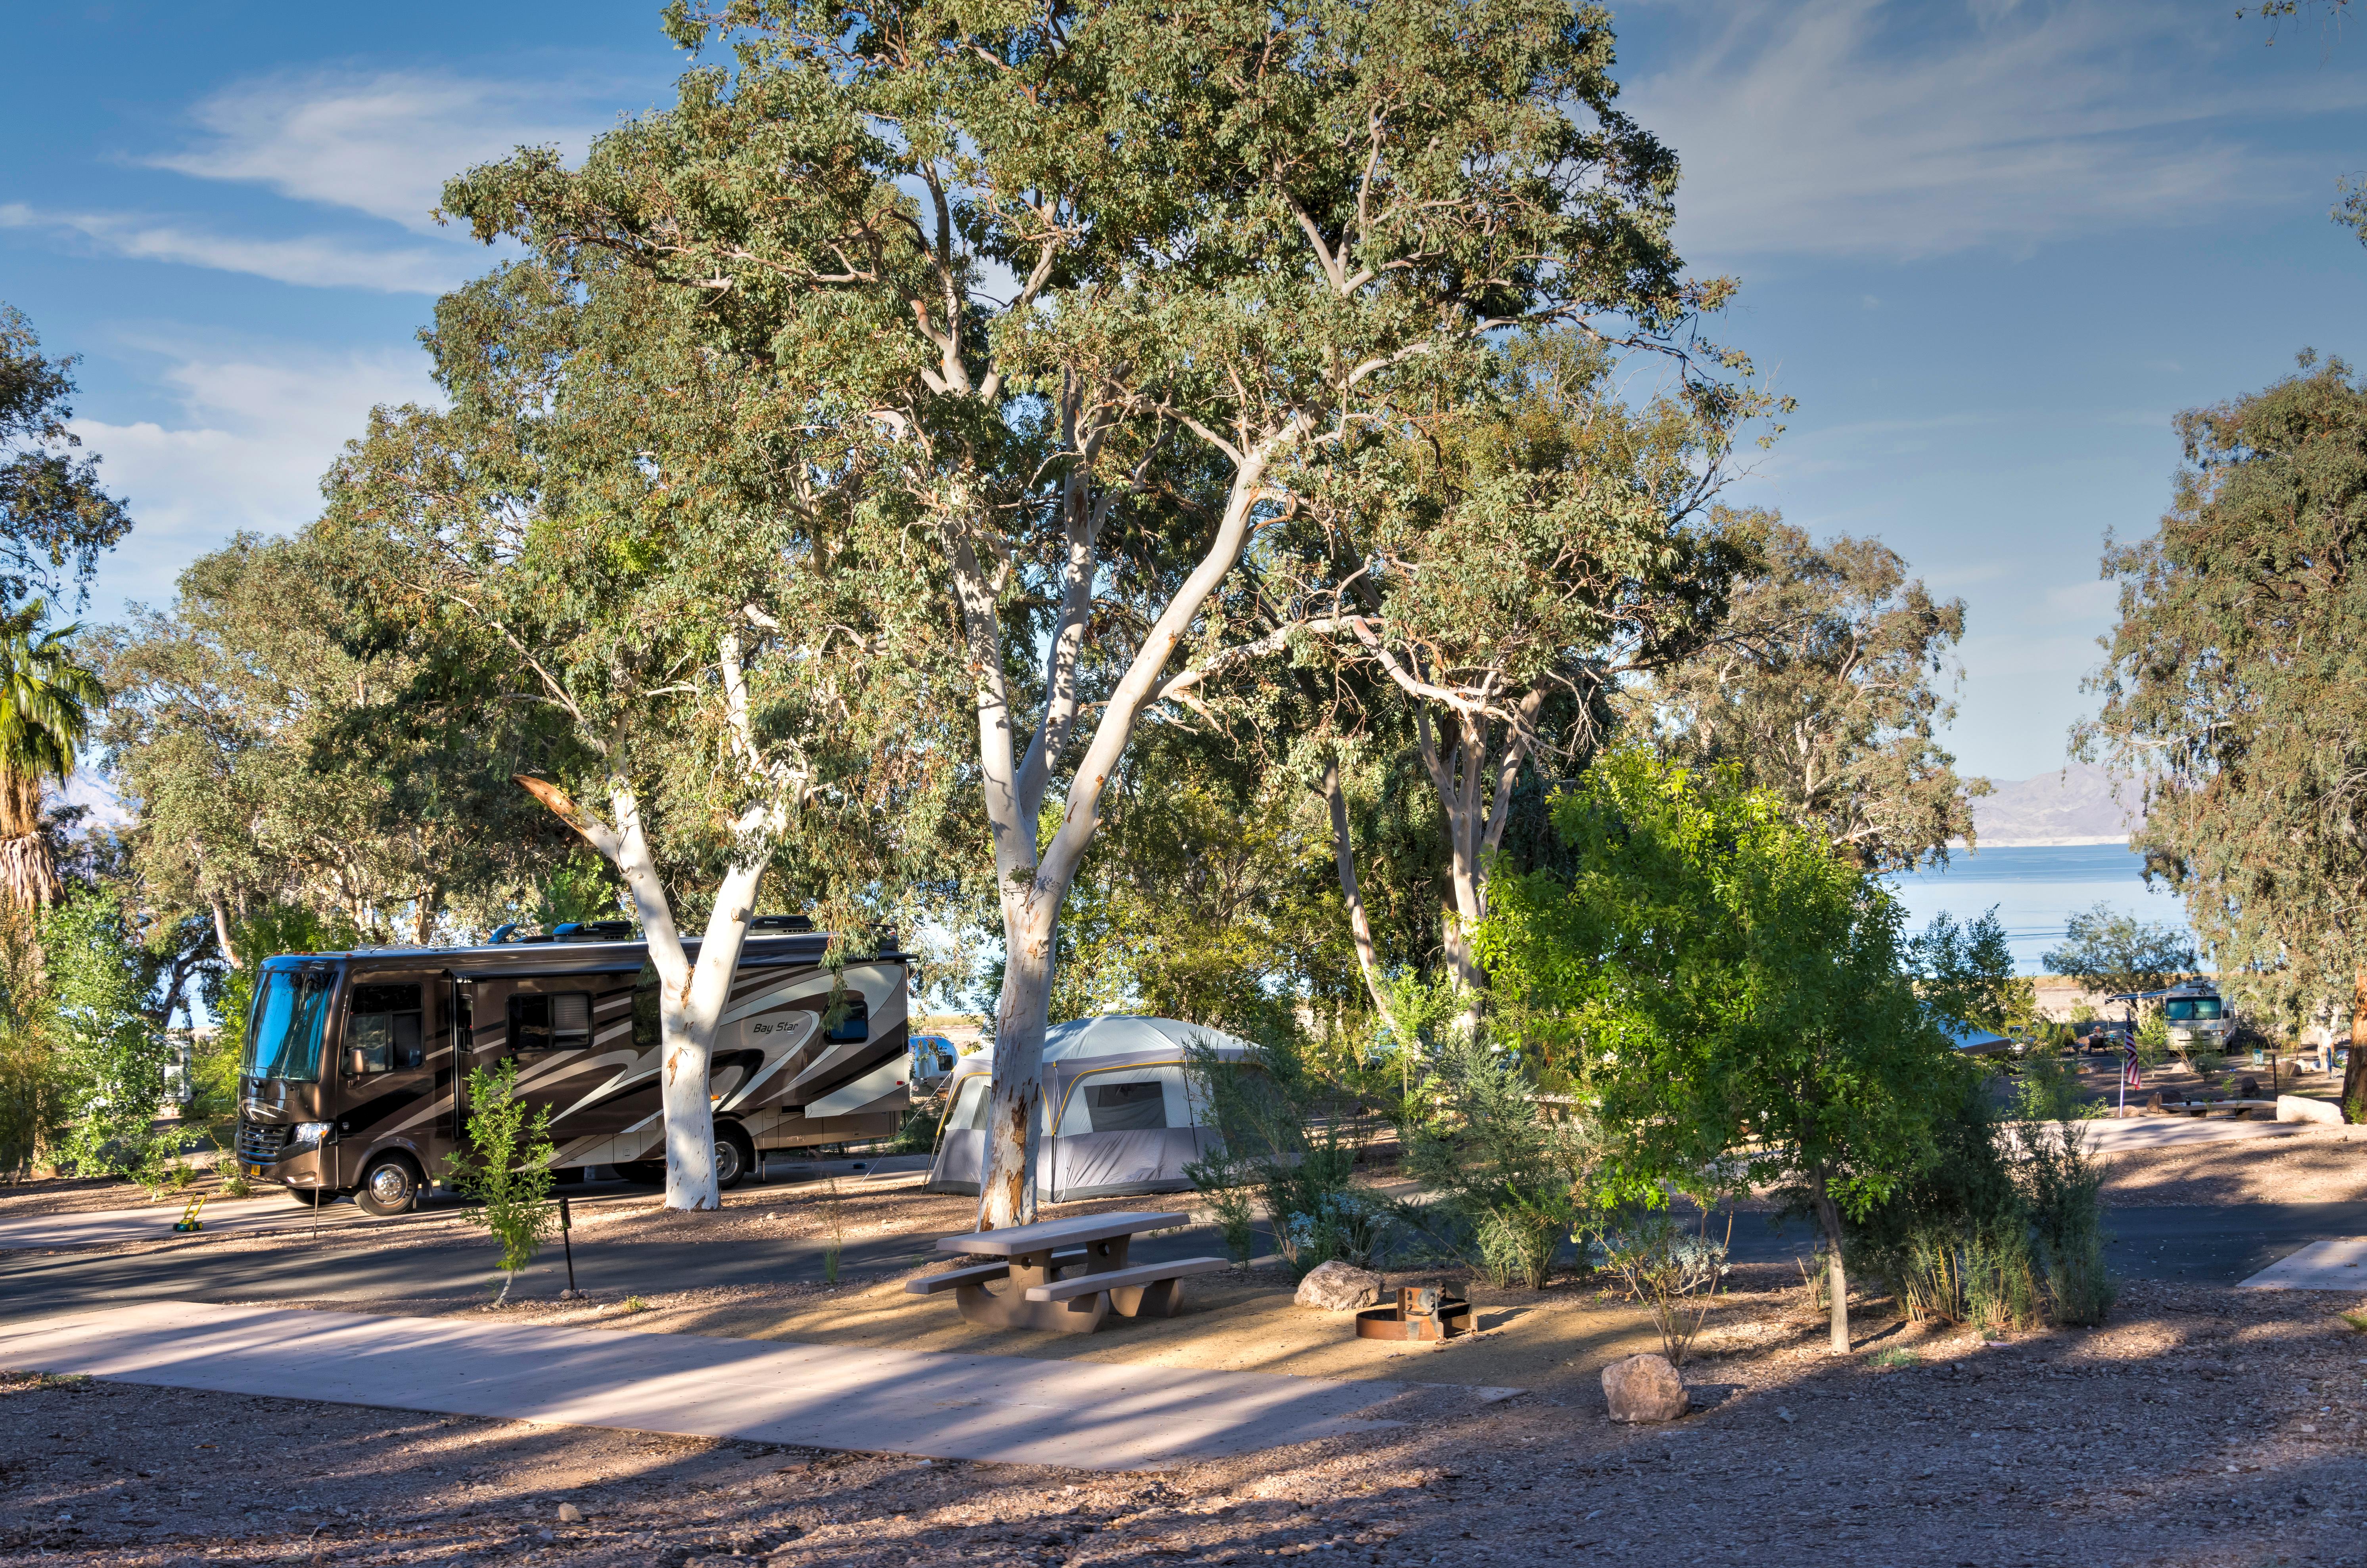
(2354, 1077)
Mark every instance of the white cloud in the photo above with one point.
(1860, 127)
(383, 143)
(257, 430)
(315, 261)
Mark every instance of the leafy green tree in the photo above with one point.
(1728, 993)
(1233, 235)
(1822, 685)
(47, 701)
(112, 1053)
(284, 739)
(507, 1169)
(2118, 954)
(55, 519)
(2237, 684)
(1967, 973)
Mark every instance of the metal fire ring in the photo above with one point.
(1422, 1311)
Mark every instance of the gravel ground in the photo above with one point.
(2204, 1427)
(2304, 1165)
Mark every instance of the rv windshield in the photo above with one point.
(2186, 1010)
(284, 1039)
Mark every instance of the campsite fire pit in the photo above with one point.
(1423, 1311)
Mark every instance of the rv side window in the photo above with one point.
(382, 1031)
(851, 1028)
(557, 1020)
(648, 1028)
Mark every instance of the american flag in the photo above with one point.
(2129, 1075)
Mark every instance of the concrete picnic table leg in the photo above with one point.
(1011, 1309)
(1163, 1298)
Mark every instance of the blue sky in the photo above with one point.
(1990, 248)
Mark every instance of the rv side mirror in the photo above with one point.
(356, 1062)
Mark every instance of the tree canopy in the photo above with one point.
(55, 517)
(1823, 685)
(2235, 684)
(1714, 978)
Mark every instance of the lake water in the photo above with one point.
(2035, 891)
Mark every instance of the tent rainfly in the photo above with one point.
(1119, 1114)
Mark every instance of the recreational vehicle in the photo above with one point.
(355, 1074)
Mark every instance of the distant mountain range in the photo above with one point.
(2079, 804)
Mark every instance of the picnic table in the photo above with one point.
(1064, 1276)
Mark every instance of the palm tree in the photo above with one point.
(46, 702)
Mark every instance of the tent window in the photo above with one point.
(969, 1107)
(1125, 1107)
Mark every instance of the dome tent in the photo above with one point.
(1119, 1114)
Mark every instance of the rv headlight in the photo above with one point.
(307, 1135)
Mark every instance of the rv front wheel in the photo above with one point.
(391, 1186)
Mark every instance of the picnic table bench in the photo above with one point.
(1043, 1293)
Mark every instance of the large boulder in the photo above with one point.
(1340, 1287)
(2301, 1108)
(1644, 1388)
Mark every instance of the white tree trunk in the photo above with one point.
(1014, 1116)
(691, 999)
(1343, 852)
(1032, 885)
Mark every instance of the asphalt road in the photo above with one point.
(2202, 1245)
(459, 1260)
(2216, 1245)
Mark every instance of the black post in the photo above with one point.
(566, 1224)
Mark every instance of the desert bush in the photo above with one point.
(1509, 1169)
(1281, 1131)
(507, 1169)
(1676, 1273)
(1229, 1184)
(1953, 1241)
(2062, 1182)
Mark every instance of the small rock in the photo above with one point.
(1340, 1287)
(1784, 1414)
(2248, 1087)
(1644, 1388)
(569, 1514)
(2152, 1104)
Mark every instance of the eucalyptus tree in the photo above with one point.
(2234, 683)
(1100, 276)
(1483, 583)
(615, 522)
(56, 517)
(1823, 685)
(282, 743)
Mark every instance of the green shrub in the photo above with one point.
(1280, 1126)
(1676, 1274)
(1509, 1170)
(507, 1169)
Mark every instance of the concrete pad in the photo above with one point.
(99, 1227)
(2140, 1132)
(267, 1215)
(1088, 1414)
(2338, 1265)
